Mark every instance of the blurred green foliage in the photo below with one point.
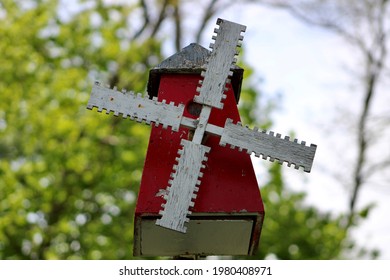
(69, 177)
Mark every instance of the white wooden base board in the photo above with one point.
(204, 237)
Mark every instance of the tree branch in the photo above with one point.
(373, 69)
(146, 18)
(177, 19)
(209, 12)
(160, 19)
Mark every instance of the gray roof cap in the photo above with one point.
(190, 60)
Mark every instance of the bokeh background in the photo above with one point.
(314, 69)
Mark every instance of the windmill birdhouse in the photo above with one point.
(199, 194)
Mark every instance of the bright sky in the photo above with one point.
(308, 65)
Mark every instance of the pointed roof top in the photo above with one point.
(190, 60)
(191, 57)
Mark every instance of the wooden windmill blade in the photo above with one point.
(185, 181)
(269, 146)
(135, 107)
(184, 185)
(220, 63)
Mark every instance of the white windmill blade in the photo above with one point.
(136, 107)
(183, 186)
(185, 182)
(268, 145)
(219, 64)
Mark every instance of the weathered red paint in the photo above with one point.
(229, 184)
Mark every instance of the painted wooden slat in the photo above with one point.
(220, 62)
(201, 125)
(136, 107)
(268, 145)
(183, 186)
